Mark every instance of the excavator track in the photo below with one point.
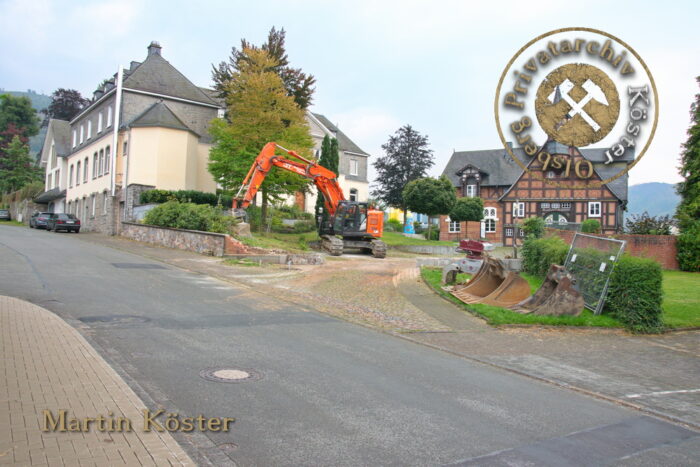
(333, 245)
(378, 249)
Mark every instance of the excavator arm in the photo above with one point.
(324, 179)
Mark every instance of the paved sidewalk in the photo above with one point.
(48, 365)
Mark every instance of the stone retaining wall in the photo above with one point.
(206, 243)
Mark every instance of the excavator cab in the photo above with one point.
(354, 220)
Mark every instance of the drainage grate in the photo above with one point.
(137, 266)
(230, 375)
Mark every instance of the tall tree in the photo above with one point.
(18, 111)
(298, 84)
(430, 196)
(688, 211)
(329, 160)
(407, 158)
(260, 111)
(18, 168)
(65, 104)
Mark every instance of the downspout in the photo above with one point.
(115, 134)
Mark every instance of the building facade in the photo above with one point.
(511, 194)
(52, 158)
(145, 128)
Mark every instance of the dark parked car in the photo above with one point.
(5, 215)
(38, 220)
(63, 221)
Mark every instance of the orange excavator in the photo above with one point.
(350, 224)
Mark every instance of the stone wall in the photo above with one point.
(661, 248)
(206, 243)
(23, 209)
(133, 195)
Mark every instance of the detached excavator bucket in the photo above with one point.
(493, 286)
(557, 296)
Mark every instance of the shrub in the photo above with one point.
(186, 196)
(635, 294)
(394, 225)
(590, 226)
(533, 227)
(434, 234)
(539, 253)
(189, 216)
(467, 209)
(688, 246)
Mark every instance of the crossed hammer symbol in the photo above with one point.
(593, 92)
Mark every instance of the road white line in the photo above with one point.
(661, 393)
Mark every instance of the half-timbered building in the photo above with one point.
(511, 194)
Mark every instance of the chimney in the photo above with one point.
(154, 48)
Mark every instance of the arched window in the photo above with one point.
(102, 162)
(77, 174)
(85, 170)
(70, 177)
(109, 116)
(353, 194)
(94, 165)
(107, 160)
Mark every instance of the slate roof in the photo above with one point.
(499, 169)
(60, 129)
(50, 195)
(156, 74)
(160, 115)
(344, 143)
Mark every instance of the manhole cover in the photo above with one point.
(228, 447)
(230, 375)
(114, 319)
(137, 266)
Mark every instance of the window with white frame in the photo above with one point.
(104, 202)
(58, 178)
(544, 205)
(101, 163)
(490, 213)
(521, 232)
(594, 209)
(550, 174)
(75, 138)
(85, 170)
(94, 165)
(471, 191)
(556, 205)
(353, 194)
(109, 116)
(354, 167)
(99, 122)
(70, 176)
(566, 205)
(77, 174)
(107, 160)
(454, 227)
(82, 133)
(92, 200)
(518, 209)
(126, 147)
(509, 232)
(89, 129)
(490, 220)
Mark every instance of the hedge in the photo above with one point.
(635, 294)
(539, 253)
(688, 247)
(590, 226)
(189, 216)
(185, 196)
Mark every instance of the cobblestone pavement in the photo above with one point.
(656, 374)
(48, 365)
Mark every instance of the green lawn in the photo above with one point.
(681, 299)
(496, 315)
(15, 223)
(294, 243)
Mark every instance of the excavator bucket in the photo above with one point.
(557, 296)
(493, 286)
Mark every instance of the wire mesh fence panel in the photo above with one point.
(591, 260)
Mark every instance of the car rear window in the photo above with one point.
(66, 216)
(3, 211)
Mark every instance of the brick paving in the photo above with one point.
(48, 365)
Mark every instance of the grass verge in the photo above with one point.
(681, 305)
(294, 243)
(14, 223)
(496, 315)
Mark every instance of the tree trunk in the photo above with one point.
(405, 218)
(263, 210)
(430, 225)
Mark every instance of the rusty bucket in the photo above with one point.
(557, 296)
(493, 286)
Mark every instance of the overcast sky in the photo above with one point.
(379, 64)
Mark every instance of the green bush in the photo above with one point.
(635, 294)
(533, 227)
(189, 216)
(590, 226)
(434, 234)
(688, 246)
(539, 253)
(394, 225)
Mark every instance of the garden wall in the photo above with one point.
(206, 243)
(661, 248)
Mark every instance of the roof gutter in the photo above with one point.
(115, 131)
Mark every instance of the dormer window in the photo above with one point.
(470, 192)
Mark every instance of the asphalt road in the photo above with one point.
(331, 393)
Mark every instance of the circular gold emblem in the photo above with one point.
(577, 104)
